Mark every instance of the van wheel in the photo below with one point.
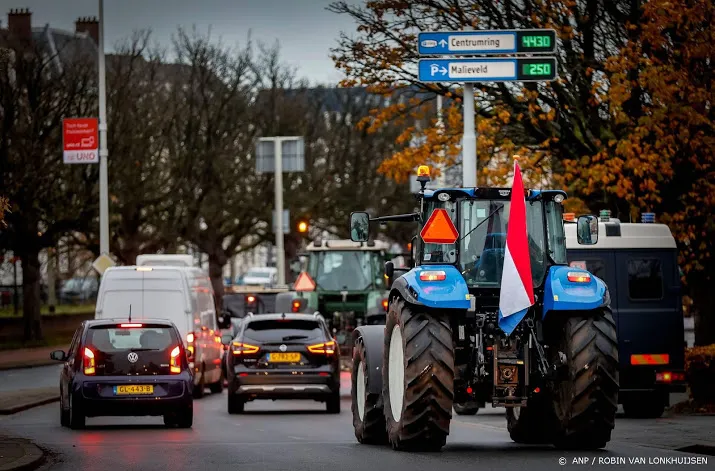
(199, 388)
(217, 387)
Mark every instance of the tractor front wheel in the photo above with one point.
(586, 400)
(418, 378)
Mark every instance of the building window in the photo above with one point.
(645, 279)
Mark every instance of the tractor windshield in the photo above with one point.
(339, 270)
(483, 228)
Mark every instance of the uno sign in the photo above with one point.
(80, 140)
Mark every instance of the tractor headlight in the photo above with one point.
(559, 198)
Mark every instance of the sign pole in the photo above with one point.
(103, 150)
(469, 138)
(280, 251)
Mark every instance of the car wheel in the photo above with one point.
(333, 403)
(64, 415)
(185, 418)
(235, 404)
(76, 415)
(217, 387)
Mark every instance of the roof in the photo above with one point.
(113, 321)
(287, 315)
(632, 236)
(346, 244)
(491, 193)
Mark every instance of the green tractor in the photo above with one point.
(344, 281)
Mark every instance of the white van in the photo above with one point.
(167, 260)
(182, 295)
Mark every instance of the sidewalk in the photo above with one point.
(17, 454)
(12, 402)
(28, 357)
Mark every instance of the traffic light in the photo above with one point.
(303, 227)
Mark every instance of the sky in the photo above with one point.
(304, 29)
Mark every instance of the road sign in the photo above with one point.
(292, 153)
(285, 221)
(439, 228)
(304, 283)
(505, 69)
(102, 263)
(504, 41)
(80, 141)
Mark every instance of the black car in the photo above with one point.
(283, 356)
(125, 368)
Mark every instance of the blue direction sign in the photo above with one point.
(504, 41)
(505, 69)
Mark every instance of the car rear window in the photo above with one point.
(275, 330)
(112, 345)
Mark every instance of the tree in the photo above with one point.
(142, 187)
(219, 201)
(627, 126)
(47, 198)
(4, 206)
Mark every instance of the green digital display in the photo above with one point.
(536, 69)
(536, 41)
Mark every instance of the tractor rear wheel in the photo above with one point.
(466, 409)
(586, 400)
(368, 418)
(418, 378)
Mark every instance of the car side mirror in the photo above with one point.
(58, 355)
(359, 226)
(226, 339)
(587, 230)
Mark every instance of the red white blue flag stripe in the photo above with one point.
(517, 289)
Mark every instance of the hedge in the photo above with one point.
(700, 373)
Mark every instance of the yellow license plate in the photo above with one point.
(132, 389)
(284, 357)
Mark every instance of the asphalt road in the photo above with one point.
(297, 435)
(28, 378)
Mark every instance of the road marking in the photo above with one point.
(295, 438)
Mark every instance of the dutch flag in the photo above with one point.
(517, 290)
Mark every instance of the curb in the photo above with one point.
(31, 365)
(29, 405)
(33, 458)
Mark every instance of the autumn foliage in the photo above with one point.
(627, 126)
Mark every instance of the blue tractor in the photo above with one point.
(556, 373)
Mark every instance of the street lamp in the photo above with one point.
(103, 150)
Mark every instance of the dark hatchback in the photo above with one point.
(282, 356)
(124, 368)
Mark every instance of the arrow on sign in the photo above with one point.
(434, 68)
(443, 43)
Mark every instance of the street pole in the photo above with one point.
(469, 138)
(103, 151)
(441, 180)
(280, 251)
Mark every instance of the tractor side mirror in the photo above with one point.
(389, 272)
(587, 230)
(359, 226)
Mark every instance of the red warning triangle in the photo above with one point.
(439, 229)
(304, 283)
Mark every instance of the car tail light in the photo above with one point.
(174, 361)
(578, 277)
(327, 348)
(190, 337)
(385, 304)
(239, 348)
(88, 362)
(434, 275)
(669, 377)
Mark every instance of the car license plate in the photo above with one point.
(133, 389)
(284, 357)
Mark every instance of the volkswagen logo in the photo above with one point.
(132, 357)
(283, 348)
